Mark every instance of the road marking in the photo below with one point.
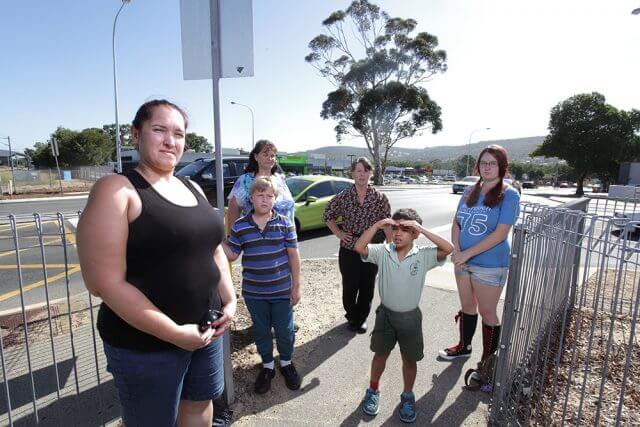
(25, 225)
(27, 288)
(13, 252)
(71, 238)
(34, 266)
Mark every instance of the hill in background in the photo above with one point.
(518, 149)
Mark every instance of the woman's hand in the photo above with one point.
(459, 258)
(346, 238)
(189, 337)
(223, 323)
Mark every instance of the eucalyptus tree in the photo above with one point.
(378, 68)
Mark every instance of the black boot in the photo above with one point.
(490, 339)
(466, 327)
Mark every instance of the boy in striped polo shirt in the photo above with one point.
(270, 280)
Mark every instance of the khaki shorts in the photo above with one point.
(404, 328)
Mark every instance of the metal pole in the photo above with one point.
(469, 146)
(115, 88)
(13, 178)
(253, 138)
(214, 10)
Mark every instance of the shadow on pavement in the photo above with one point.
(94, 407)
(430, 403)
(44, 381)
(307, 358)
(465, 404)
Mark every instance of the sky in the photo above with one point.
(509, 62)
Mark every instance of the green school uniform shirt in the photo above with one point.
(400, 283)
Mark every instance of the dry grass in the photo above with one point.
(596, 345)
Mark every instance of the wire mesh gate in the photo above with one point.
(569, 353)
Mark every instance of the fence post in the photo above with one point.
(509, 315)
(582, 205)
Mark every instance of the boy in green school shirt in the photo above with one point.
(402, 266)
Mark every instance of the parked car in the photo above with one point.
(311, 194)
(564, 184)
(596, 186)
(529, 184)
(203, 172)
(467, 181)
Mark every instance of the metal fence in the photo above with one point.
(569, 353)
(47, 179)
(52, 362)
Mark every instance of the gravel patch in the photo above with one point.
(319, 309)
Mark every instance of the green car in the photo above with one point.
(312, 194)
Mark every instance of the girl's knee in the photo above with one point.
(489, 316)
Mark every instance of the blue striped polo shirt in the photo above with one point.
(266, 273)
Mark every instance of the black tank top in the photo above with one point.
(170, 260)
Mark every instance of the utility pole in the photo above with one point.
(12, 187)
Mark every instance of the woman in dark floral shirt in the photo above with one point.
(360, 207)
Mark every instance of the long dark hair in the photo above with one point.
(252, 166)
(494, 196)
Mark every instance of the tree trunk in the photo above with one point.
(378, 177)
(579, 186)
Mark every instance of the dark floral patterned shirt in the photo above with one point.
(356, 217)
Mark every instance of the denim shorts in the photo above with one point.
(151, 384)
(491, 276)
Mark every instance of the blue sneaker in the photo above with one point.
(407, 410)
(370, 402)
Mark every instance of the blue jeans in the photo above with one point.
(151, 384)
(278, 314)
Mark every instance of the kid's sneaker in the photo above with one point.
(291, 377)
(407, 410)
(263, 382)
(370, 403)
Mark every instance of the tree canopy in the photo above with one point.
(90, 146)
(592, 136)
(94, 146)
(377, 68)
(197, 143)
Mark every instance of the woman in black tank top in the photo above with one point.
(149, 246)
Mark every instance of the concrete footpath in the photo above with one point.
(334, 366)
(337, 370)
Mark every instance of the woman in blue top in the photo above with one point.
(262, 162)
(485, 215)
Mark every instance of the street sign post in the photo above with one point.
(54, 150)
(217, 42)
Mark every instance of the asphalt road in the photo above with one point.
(435, 204)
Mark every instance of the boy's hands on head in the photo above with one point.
(413, 225)
(387, 222)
